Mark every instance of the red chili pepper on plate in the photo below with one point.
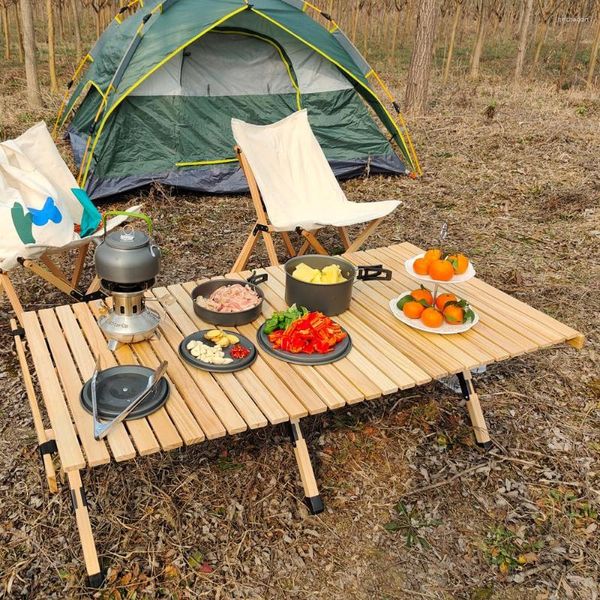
(312, 333)
(238, 351)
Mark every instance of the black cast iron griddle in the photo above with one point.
(238, 363)
(117, 386)
(339, 351)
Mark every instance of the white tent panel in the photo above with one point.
(228, 64)
(164, 82)
(235, 61)
(314, 73)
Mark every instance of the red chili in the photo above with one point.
(309, 334)
(239, 351)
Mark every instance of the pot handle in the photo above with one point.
(370, 272)
(257, 279)
(135, 215)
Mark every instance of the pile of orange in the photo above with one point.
(433, 312)
(438, 268)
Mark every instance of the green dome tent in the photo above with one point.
(161, 87)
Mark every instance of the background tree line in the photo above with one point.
(390, 33)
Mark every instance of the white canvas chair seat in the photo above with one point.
(295, 185)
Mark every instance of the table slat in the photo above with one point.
(174, 417)
(550, 322)
(235, 407)
(118, 439)
(140, 431)
(263, 397)
(95, 451)
(501, 316)
(473, 341)
(456, 346)
(374, 381)
(71, 456)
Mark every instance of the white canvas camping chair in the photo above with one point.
(294, 189)
(40, 207)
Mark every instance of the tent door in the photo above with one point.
(231, 72)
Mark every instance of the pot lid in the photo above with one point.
(127, 239)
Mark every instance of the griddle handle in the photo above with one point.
(255, 279)
(371, 272)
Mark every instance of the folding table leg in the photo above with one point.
(311, 491)
(90, 556)
(46, 443)
(7, 287)
(474, 407)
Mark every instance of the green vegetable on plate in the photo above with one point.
(283, 319)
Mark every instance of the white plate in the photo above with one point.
(408, 265)
(445, 329)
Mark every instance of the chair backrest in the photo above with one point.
(290, 168)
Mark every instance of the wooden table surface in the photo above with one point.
(387, 355)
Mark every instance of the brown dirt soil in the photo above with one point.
(414, 509)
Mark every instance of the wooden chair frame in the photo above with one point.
(263, 228)
(53, 274)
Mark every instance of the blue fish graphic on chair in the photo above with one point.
(24, 221)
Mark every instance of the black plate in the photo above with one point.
(238, 363)
(118, 386)
(340, 350)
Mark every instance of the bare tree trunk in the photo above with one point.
(51, 47)
(19, 33)
(522, 10)
(594, 54)
(395, 32)
(355, 22)
(31, 71)
(478, 48)
(580, 22)
(457, 11)
(6, 32)
(421, 60)
(60, 20)
(77, 28)
(523, 41)
(541, 38)
(98, 24)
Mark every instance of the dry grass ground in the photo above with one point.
(414, 509)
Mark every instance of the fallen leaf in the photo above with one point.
(527, 558)
(171, 572)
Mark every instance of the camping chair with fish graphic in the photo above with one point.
(294, 189)
(44, 214)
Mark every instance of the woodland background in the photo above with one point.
(504, 111)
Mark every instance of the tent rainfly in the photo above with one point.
(162, 85)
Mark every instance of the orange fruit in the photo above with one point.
(433, 254)
(454, 314)
(432, 317)
(443, 299)
(420, 266)
(460, 263)
(422, 294)
(441, 270)
(413, 309)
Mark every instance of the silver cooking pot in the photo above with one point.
(127, 256)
